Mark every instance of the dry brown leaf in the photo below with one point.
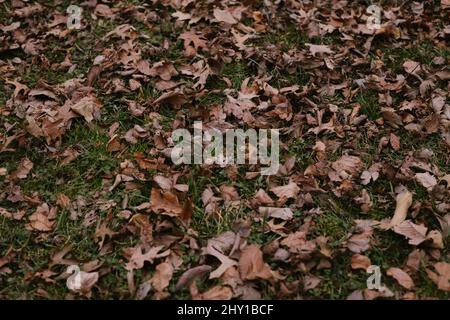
(404, 201)
(426, 179)
(290, 190)
(371, 174)
(415, 233)
(163, 182)
(442, 278)
(23, 170)
(262, 198)
(216, 247)
(215, 293)
(252, 265)
(190, 275)
(165, 202)
(364, 200)
(224, 16)
(360, 262)
(174, 98)
(395, 142)
(88, 107)
(192, 43)
(43, 219)
(310, 282)
(411, 67)
(402, 277)
(163, 274)
(229, 193)
(29, 10)
(347, 166)
(139, 255)
(358, 243)
(319, 48)
(280, 213)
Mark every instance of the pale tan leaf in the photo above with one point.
(415, 233)
(290, 190)
(280, 213)
(360, 262)
(224, 16)
(252, 265)
(404, 201)
(402, 277)
(426, 179)
(162, 276)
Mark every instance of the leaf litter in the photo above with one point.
(85, 134)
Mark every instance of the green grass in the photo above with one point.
(368, 101)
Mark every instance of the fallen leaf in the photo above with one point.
(445, 4)
(140, 255)
(215, 293)
(411, 67)
(165, 202)
(190, 275)
(319, 48)
(43, 219)
(395, 142)
(224, 16)
(280, 213)
(347, 166)
(310, 282)
(360, 262)
(442, 278)
(402, 277)
(371, 174)
(358, 243)
(23, 170)
(426, 179)
(404, 201)
(415, 233)
(216, 248)
(163, 274)
(290, 190)
(87, 107)
(252, 265)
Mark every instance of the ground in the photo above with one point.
(86, 116)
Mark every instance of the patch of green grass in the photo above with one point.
(211, 98)
(394, 58)
(237, 72)
(288, 38)
(338, 281)
(334, 225)
(301, 149)
(79, 177)
(209, 226)
(280, 78)
(369, 104)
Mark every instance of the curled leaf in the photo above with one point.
(404, 201)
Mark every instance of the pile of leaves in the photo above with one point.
(86, 178)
